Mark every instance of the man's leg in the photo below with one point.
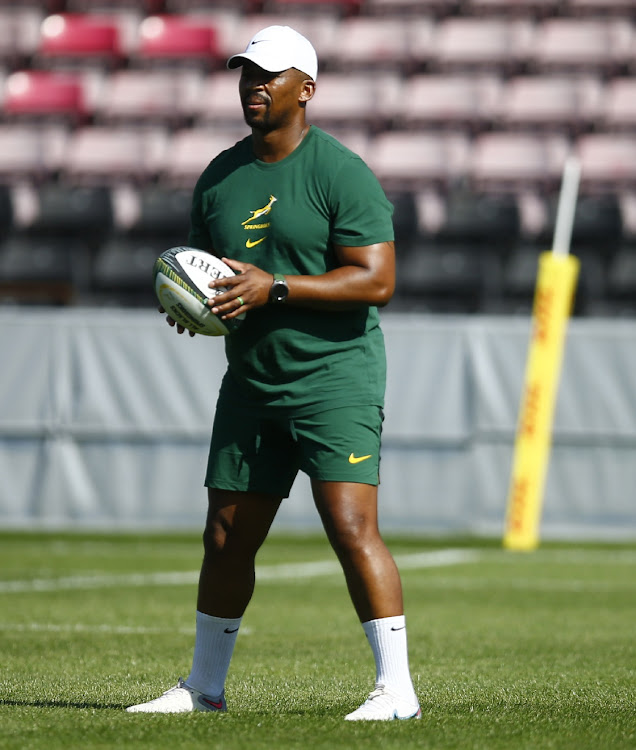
(237, 524)
(349, 515)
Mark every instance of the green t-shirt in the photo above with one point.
(285, 217)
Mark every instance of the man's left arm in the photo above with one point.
(365, 276)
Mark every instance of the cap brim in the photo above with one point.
(237, 60)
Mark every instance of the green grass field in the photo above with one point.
(507, 650)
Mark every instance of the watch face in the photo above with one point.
(279, 291)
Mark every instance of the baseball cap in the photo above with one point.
(277, 48)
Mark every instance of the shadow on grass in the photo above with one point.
(62, 704)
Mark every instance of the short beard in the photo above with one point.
(263, 124)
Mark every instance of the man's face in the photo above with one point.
(269, 100)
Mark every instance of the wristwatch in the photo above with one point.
(279, 290)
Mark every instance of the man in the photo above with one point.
(308, 229)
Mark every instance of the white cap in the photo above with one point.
(278, 48)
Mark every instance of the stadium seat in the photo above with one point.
(103, 155)
(19, 34)
(82, 37)
(125, 264)
(553, 102)
(6, 211)
(491, 43)
(448, 279)
(30, 152)
(65, 211)
(160, 214)
(178, 39)
(520, 273)
(45, 93)
(621, 276)
(484, 220)
(608, 161)
(619, 104)
(415, 160)
(597, 225)
(366, 43)
(191, 149)
(451, 100)
(149, 96)
(405, 218)
(218, 101)
(579, 44)
(627, 201)
(356, 100)
(38, 271)
(503, 160)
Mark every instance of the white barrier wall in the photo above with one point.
(105, 418)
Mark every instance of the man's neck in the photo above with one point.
(277, 144)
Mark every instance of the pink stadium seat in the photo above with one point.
(619, 104)
(516, 160)
(369, 42)
(177, 38)
(35, 92)
(573, 43)
(192, 149)
(139, 95)
(608, 161)
(366, 100)
(80, 36)
(218, 100)
(415, 160)
(19, 33)
(449, 99)
(103, 155)
(552, 101)
(30, 151)
(484, 42)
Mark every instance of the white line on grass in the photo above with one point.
(264, 573)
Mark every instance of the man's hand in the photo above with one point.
(249, 289)
(171, 322)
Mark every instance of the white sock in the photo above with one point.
(387, 637)
(213, 647)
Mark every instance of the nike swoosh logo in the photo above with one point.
(258, 41)
(402, 628)
(356, 459)
(252, 243)
(227, 630)
(215, 704)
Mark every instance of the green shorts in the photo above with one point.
(256, 454)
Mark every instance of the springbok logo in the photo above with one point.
(257, 214)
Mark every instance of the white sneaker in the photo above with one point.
(384, 705)
(180, 700)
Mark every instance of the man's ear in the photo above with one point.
(307, 91)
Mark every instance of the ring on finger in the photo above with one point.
(239, 299)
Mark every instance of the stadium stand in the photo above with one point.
(466, 110)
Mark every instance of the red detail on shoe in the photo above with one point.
(215, 704)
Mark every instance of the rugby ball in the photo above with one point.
(181, 278)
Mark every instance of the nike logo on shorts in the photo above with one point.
(356, 459)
